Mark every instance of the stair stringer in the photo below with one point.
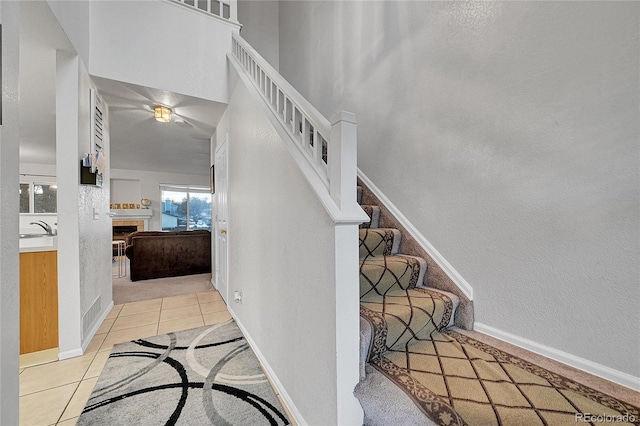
(437, 277)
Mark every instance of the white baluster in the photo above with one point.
(317, 147)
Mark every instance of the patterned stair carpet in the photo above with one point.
(202, 376)
(450, 378)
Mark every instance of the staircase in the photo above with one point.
(396, 309)
(416, 369)
(392, 289)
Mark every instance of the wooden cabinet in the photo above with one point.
(38, 301)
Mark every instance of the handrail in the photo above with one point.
(326, 151)
(224, 9)
(310, 129)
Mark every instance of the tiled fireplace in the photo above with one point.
(125, 222)
(122, 228)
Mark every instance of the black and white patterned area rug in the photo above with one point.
(206, 375)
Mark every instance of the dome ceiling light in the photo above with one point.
(162, 113)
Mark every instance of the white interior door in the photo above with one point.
(222, 213)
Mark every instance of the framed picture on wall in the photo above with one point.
(212, 179)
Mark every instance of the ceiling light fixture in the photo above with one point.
(162, 113)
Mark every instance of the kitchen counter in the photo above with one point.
(34, 244)
(38, 303)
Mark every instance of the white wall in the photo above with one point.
(84, 240)
(95, 230)
(37, 169)
(507, 133)
(74, 16)
(9, 253)
(149, 184)
(259, 19)
(281, 255)
(149, 43)
(125, 191)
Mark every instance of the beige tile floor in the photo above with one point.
(56, 393)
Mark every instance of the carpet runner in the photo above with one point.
(202, 376)
(451, 378)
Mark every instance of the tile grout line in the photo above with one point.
(91, 358)
(68, 402)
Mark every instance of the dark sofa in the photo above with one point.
(158, 254)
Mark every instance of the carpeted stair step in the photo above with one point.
(374, 216)
(406, 316)
(487, 386)
(379, 242)
(379, 275)
(359, 194)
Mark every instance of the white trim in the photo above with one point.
(590, 367)
(457, 279)
(193, 9)
(190, 188)
(347, 325)
(80, 351)
(291, 407)
(70, 354)
(301, 102)
(350, 214)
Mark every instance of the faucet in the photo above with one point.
(44, 225)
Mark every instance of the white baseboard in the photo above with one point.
(291, 407)
(87, 340)
(70, 354)
(585, 365)
(457, 279)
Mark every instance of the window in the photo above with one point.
(37, 197)
(25, 197)
(185, 208)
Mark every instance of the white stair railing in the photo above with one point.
(303, 122)
(225, 9)
(329, 148)
(326, 154)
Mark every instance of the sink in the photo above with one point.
(33, 236)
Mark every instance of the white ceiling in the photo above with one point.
(138, 142)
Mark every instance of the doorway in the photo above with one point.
(222, 213)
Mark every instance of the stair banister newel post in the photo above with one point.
(342, 159)
(342, 176)
(233, 10)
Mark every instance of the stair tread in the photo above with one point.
(379, 242)
(374, 216)
(451, 377)
(408, 315)
(381, 274)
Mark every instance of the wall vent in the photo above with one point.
(90, 316)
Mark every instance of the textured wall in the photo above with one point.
(260, 28)
(281, 255)
(507, 133)
(74, 16)
(149, 43)
(95, 232)
(84, 243)
(9, 252)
